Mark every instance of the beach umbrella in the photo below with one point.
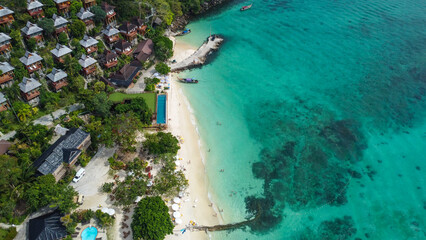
(176, 200)
(177, 215)
(178, 221)
(181, 194)
(138, 199)
(177, 163)
(175, 207)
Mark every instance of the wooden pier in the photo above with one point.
(198, 57)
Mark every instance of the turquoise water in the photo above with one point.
(161, 109)
(316, 112)
(89, 233)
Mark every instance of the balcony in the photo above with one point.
(5, 48)
(34, 67)
(6, 77)
(112, 39)
(60, 84)
(6, 20)
(31, 95)
(36, 12)
(91, 49)
(61, 29)
(129, 35)
(3, 107)
(111, 64)
(89, 70)
(64, 5)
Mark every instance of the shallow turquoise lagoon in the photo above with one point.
(316, 111)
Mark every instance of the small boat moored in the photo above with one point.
(246, 7)
(188, 80)
(184, 32)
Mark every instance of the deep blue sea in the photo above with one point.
(316, 111)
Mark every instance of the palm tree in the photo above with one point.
(24, 113)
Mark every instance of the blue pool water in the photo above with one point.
(161, 109)
(89, 233)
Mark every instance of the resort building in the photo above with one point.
(123, 47)
(35, 8)
(6, 16)
(87, 17)
(125, 76)
(110, 13)
(144, 50)
(6, 74)
(32, 61)
(59, 52)
(30, 90)
(111, 34)
(47, 227)
(31, 30)
(111, 59)
(90, 44)
(128, 31)
(5, 45)
(89, 3)
(3, 103)
(65, 151)
(60, 24)
(63, 6)
(140, 25)
(88, 64)
(57, 79)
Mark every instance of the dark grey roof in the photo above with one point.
(2, 98)
(4, 37)
(33, 4)
(47, 227)
(30, 58)
(88, 41)
(86, 61)
(56, 75)
(58, 20)
(6, 67)
(63, 150)
(124, 77)
(5, 11)
(28, 84)
(109, 31)
(84, 14)
(60, 1)
(31, 28)
(60, 50)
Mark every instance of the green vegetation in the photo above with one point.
(148, 97)
(8, 234)
(47, 25)
(167, 181)
(99, 14)
(77, 28)
(163, 48)
(63, 38)
(161, 143)
(162, 68)
(151, 83)
(151, 219)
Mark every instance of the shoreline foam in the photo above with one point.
(182, 122)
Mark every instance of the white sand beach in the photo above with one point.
(195, 206)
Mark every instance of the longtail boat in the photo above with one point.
(246, 7)
(188, 80)
(184, 32)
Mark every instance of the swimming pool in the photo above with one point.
(89, 233)
(161, 109)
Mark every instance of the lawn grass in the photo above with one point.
(149, 98)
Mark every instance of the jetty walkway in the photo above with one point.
(198, 57)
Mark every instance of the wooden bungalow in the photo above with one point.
(6, 74)
(111, 59)
(140, 25)
(144, 50)
(89, 3)
(63, 6)
(110, 17)
(6, 16)
(60, 24)
(88, 64)
(57, 79)
(4, 105)
(123, 47)
(126, 75)
(87, 17)
(128, 31)
(32, 62)
(31, 30)
(30, 90)
(59, 52)
(5, 45)
(90, 44)
(111, 34)
(35, 8)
